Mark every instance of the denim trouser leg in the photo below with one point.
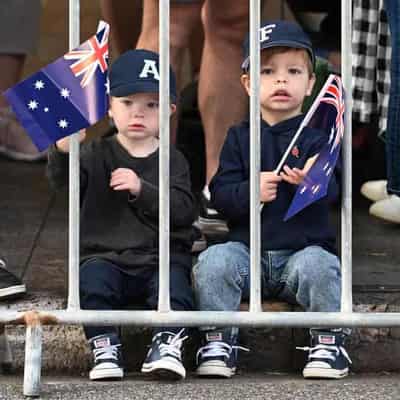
(392, 8)
(221, 277)
(313, 276)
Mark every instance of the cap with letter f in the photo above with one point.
(279, 34)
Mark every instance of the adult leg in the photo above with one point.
(125, 21)
(222, 100)
(184, 18)
(389, 208)
(14, 46)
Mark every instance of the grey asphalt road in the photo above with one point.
(251, 386)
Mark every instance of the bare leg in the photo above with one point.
(11, 67)
(125, 21)
(185, 18)
(222, 100)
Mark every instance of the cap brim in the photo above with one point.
(283, 43)
(136, 87)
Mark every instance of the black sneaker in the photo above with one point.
(210, 221)
(327, 358)
(107, 357)
(218, 355)
(10, 285)
(164, 358)
(199, 239)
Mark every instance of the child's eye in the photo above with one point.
(266, 71)
(295, 71)
(152, 104)
(126, 102)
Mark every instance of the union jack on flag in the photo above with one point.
(89, 59)
(326, 113)
(67, 95)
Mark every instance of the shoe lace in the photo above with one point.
(324, 351)
(173, 348)
(217, 349)
(107, 352)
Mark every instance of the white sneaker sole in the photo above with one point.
(12, 291)
(100, 374)
(215, 369)
(163, 368)
(325, 373)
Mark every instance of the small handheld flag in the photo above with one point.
(328, 115)
(67, 95)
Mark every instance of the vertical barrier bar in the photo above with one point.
(347, 295)
(73, 249)
(33, 358)
(163, 293)
(255, 236)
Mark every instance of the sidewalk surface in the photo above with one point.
(254, 387)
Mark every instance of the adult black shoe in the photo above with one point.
(10, 285)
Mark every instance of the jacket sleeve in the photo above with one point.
(57, 167)
(230, 187)
(182, 205)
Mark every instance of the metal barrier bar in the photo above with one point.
(73, 249)
(164, 118)
(219, 318)
(346, 245)
(255, 156)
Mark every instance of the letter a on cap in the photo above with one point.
(149, 68)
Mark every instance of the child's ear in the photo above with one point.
(110, 113)
(172, 108)
(245, 80)
(311, 84)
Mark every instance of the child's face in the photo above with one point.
(284, 83)
(136, 115)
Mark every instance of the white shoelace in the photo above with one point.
(217, 349)
(323, 351)
(173, 348)
(107, 352)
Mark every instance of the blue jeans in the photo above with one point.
(310, 277)
(392, 8)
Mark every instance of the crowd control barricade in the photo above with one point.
(163, 316)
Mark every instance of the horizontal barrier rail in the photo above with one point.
(214, 318)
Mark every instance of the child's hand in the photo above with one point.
(63, 144)
(125, 179)
(295, 175)
(268, 186)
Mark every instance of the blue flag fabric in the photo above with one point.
(65, 96)
(328, 115)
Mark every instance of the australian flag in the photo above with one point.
(326, 113)
(67, 95)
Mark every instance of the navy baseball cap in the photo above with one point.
(137, 71)
(279, 34)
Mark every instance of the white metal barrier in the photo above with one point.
(164, 316)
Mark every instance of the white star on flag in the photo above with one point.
(64, 92)
(62, 123)
(33, 105)
(39, 85)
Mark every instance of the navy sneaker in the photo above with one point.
(210, 221)
(164, 359)
(218, 355)
(107, 357)
(327, 358)
(10, 285)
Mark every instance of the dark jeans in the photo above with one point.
(104, 286)
(392, 8)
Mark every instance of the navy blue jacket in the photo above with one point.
(230, 188)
